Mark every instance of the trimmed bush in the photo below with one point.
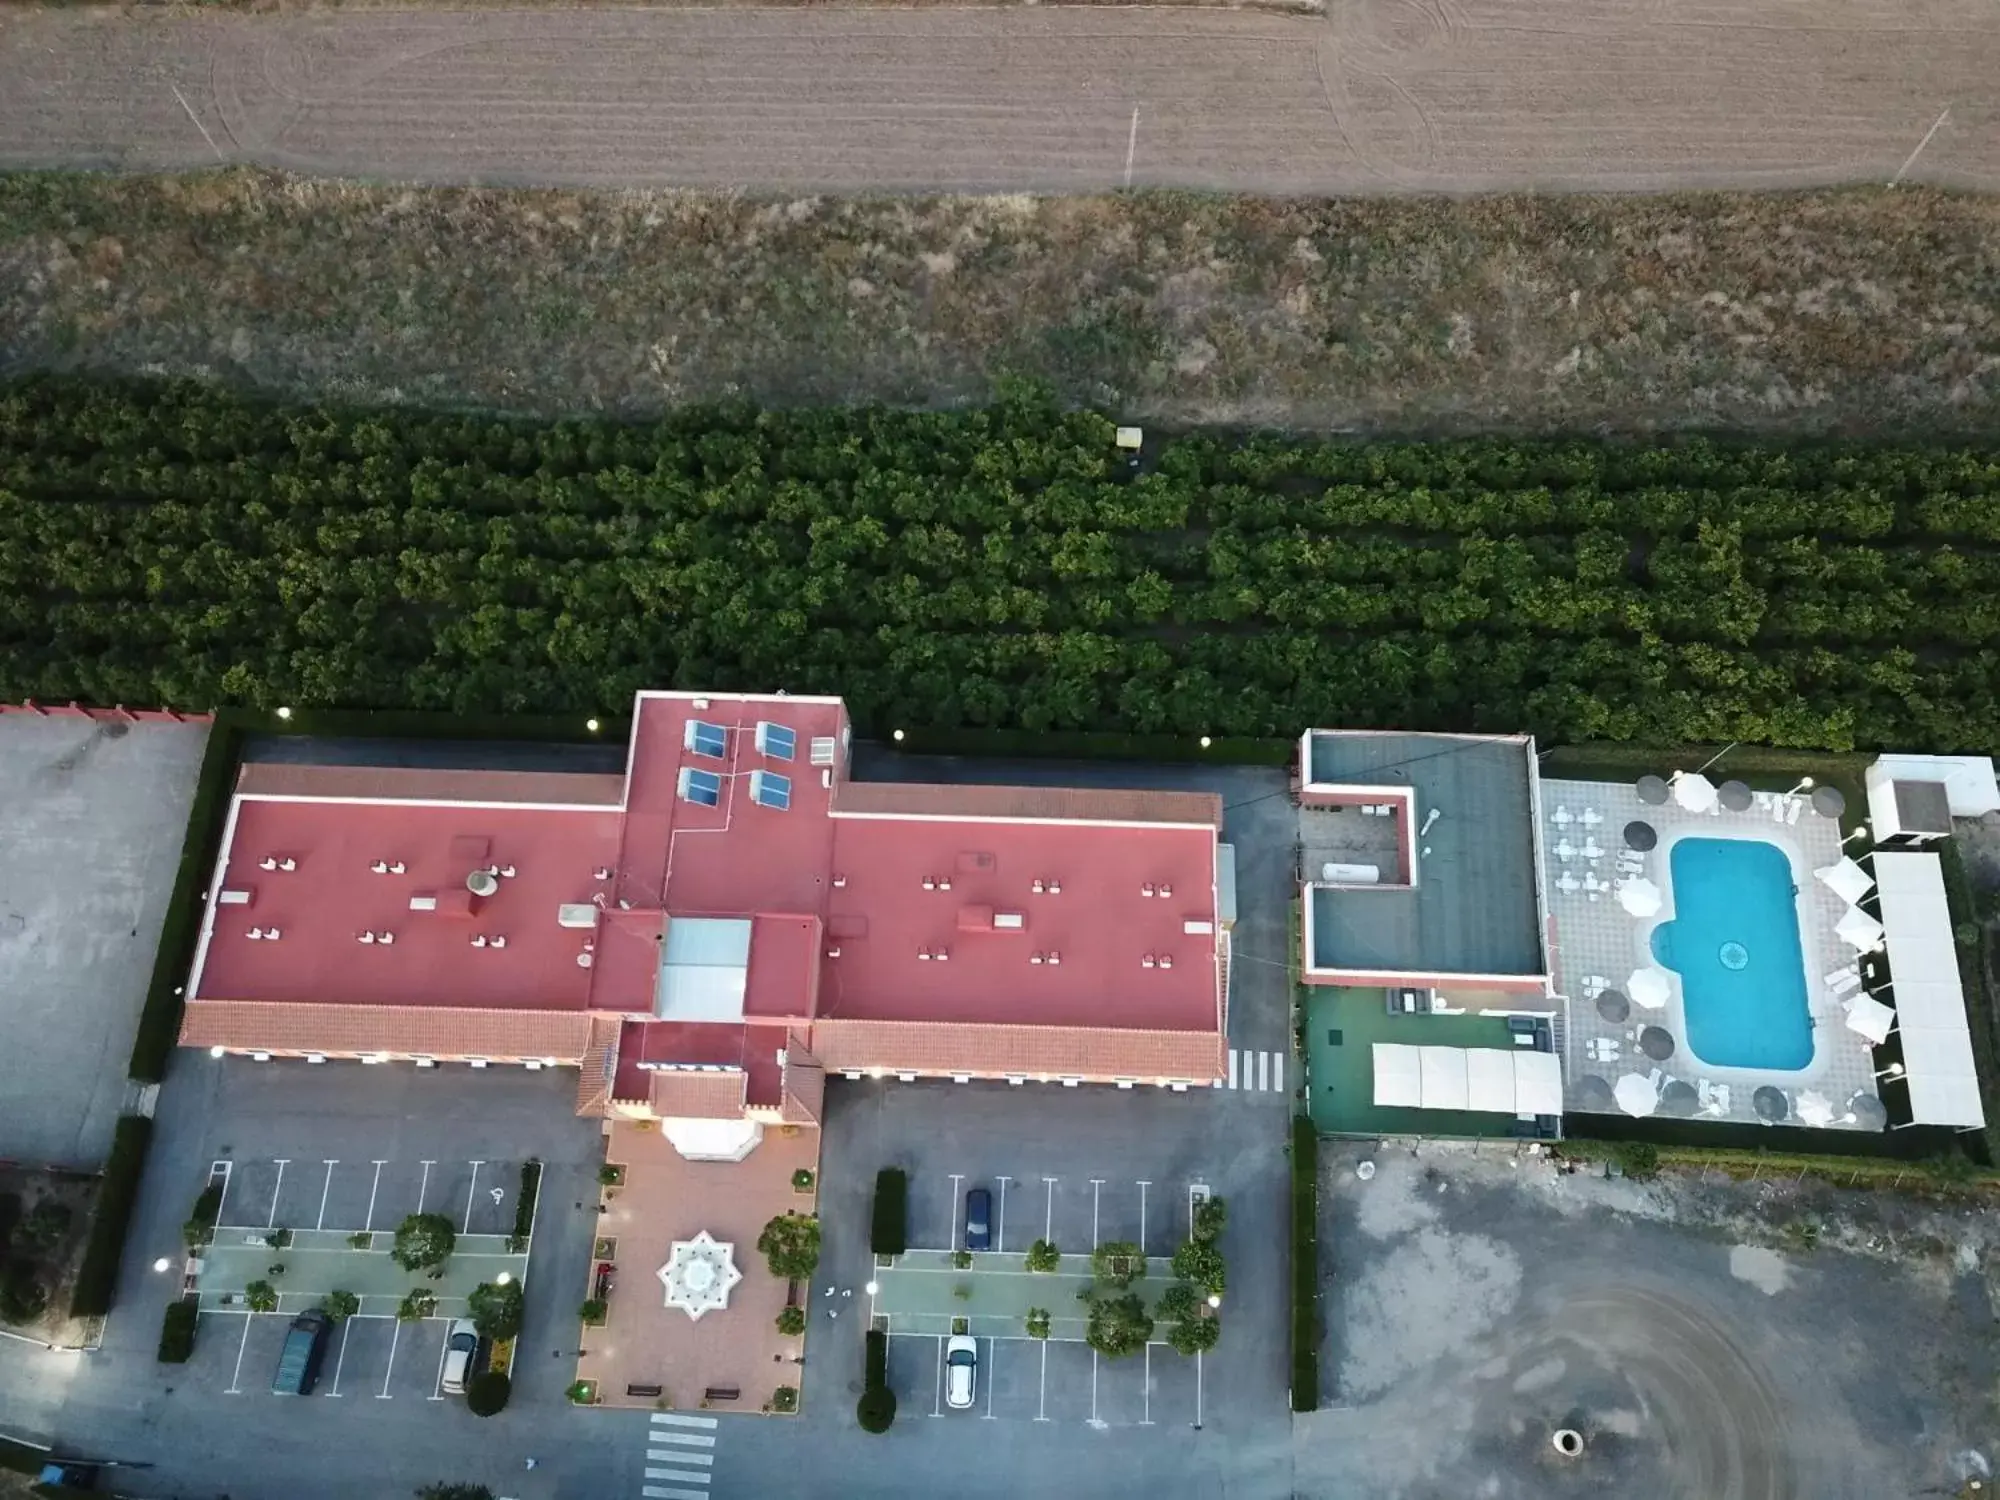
(1038, 1322)
(792, 1322)
(177, 1329)
(790, 1246)
(424, 1240)
(97, 1277)
(340, 1305)
(23, 1298)
(260, 1297)
(876, 1409)
(1044, 1256)
(889, 1228)
(785, 1398)
(487, 1392)
(199, 1229)
(417, 1304)
(875, 1359)
(1210, 1217)
(496, 1310)
(1305, 1265)
(524, 1205)
(592, 1312)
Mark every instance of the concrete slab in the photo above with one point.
(91, 822)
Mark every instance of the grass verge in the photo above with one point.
(1942, 1173)
(1835, 311)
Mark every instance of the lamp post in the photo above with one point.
(1805, 785)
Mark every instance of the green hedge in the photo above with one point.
(97, 1277)
(1305, 1265)
(875, 1360)
(876, 1409)
(177, 1332)
(524, 1203)
(997, 569)
(889, 1227)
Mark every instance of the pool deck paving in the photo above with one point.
(1598, 940)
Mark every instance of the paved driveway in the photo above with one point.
(1384, 95)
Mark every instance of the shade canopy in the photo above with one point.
(1613, 1006)
(1859, 930)
(1651, 789)
(1694, 791)
(1592, 1092)
(1846, 880)
(1648, 988)
(1636, 1095)
(1770, 1104)
(1815, 1109)
(1399, 1082)
(1942, 1087)
(1869, 1112)
(1657, 1043)
(1735, 796)
(1679, 1099)
(1641, 835)
(1640, 897)
(1492, 1080)
(1828, 802)
(1870, 1017)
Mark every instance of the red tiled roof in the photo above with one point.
(411, 784)
(912, 799)
(406, 1030)
(681, 1095)
(1033, 1051)
(805, 1086)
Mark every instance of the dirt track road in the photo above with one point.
(1383, 95)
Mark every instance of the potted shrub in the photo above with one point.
(1038, 1322)
(1043, 1256)
(592, 1312)
(611, 1175)
(792, 1322)
(802, 1180)
(583, 1393)
(261, 1297)
(785, 1399)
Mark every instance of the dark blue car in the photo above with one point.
(979, 1220)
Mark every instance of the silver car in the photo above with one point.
(961, 1368)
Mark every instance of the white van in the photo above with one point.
(460, 1345)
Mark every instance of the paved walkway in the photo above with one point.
(921, 1294)
(1384, 95)
(321, 1261)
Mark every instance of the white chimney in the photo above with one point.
(479, 941)
(268, 862)
(508, 871)
(1166, 960)
(380, 867)
(398, 868)
(500, 942)
(1054, 957)
(839, 882)
(1055, 887)
(288, 864)
(1148, 960)
(386, 937)
(367, 937)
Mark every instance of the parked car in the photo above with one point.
(461, 1348)
(961, 1368)
(299, 1360)
(979, 1220)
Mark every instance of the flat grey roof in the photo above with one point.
(1473, 908)
(1922, 806)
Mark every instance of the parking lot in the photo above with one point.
(334, 1196)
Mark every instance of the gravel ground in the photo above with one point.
(1704, 1341)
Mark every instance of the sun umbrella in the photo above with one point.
(1828, 802)
(1640, 835)
(1636, 1095)
(1870, 1017)
(1657, 1043)
(1648, 988)
(1869, 1112)
(1734, 795)
(1679, 1099)
(1770, 1104)
(1694, 791)
(1859, 930)
(1651, 789)
(1613, 1006)
(1846, 880)
(1592, 1092)
(1815, 1109)
(1640, 897)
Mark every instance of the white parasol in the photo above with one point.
(1648, 988)
(1640, 897)
(1813, 1109)
(1636, 1094)
(1694, 791)
(1846, 880)
(1870, 1017)
(1859, 930)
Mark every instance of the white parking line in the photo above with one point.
(1234, 1055)
(956, 1179)
(373, 1188)
(991, 1347)
(1096, 1187)
(937, 1404)
(1094, 1420)
(470, 1187)
(235, 1380)
(1147, 1419)
(424, 1186)
(395, 1333)
(1000, 1228)
(325, 1188)
(1049, 1217)
(271, 1219)
(685, 1439)
(1142, 1216)
(340, 1358)
(1197, 1390)
(1042, 1412)
(444, 1348)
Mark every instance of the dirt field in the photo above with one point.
(1379, 95)
(1710, 1340)
(1858, 311)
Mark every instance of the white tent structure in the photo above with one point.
(1870, 1017)
(1695, 792)
(1846, 880)
(1859, 930)
(1930, 1005)
(1490, 1080)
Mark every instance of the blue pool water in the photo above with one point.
(1734, 941)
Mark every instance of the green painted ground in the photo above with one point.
(318, 1262)
(1343, 1071)
(924, 1291)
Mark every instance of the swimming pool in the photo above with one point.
(1734, 940)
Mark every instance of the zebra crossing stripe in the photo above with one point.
(678, 1456)
(680, 1476)
(675, 1419)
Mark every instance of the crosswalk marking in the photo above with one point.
(679, 1456)
(661, 1492)
(679, 1463)
(680, 1476)
(676, 1419)
(1256, 1072)
(688, 1439)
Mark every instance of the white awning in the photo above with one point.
(1444, 1078)
(1846, 880)
(1930, 1004)
(1538, 1083)
(1489, 1080)
(1398, 1076)
(1870, 1017)
(1858, 930)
